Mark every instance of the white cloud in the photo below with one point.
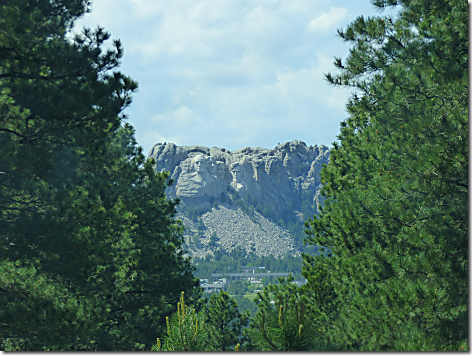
(329, 20)
(230, 73)
(182, 116)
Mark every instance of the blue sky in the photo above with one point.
(231, 73)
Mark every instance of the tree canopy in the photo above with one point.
(396, 213)
(89, 251)
(286, 320)
(225, 321)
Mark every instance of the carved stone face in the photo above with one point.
(201, 164)
(237, 171)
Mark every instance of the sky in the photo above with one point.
(231, 73)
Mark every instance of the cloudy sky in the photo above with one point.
(231, 73)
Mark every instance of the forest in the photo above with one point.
(91, 256)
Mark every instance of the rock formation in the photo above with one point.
(235, 228)
(275, 180)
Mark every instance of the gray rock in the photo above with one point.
(234, 228)
(275, 177)
(208, 180)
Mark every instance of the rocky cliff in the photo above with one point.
(214, 184)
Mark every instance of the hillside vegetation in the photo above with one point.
(89, 254)
(92, 256)
(396, 213)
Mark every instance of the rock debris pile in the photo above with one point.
(214, 179)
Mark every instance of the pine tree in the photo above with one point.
(89, 251)
(225, 321)
(396, 213)
(213, 241)
(157, 271)
(286, 320)
(186, 331)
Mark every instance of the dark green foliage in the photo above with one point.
(247, 204)
(268, 281)
(320, 290)
(196, 240)
(192, 214)
(285, 320)
(223, 262)
(200, 228)
(218, 328)
(297, 231)
(244, 304)
(238, 287)
(89, 250)
(225, 321)
(236, 198)
(396, 214)
(213, 241)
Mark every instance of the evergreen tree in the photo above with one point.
(89, 251)
(225, 322)
(285, 320)
(245, 304)
(213, 241)
(238, 287)
(396, 212)
(186, 331)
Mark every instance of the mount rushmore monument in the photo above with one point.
(210, 182)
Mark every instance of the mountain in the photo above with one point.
(252, 197)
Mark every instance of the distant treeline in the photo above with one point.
(223, 262)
